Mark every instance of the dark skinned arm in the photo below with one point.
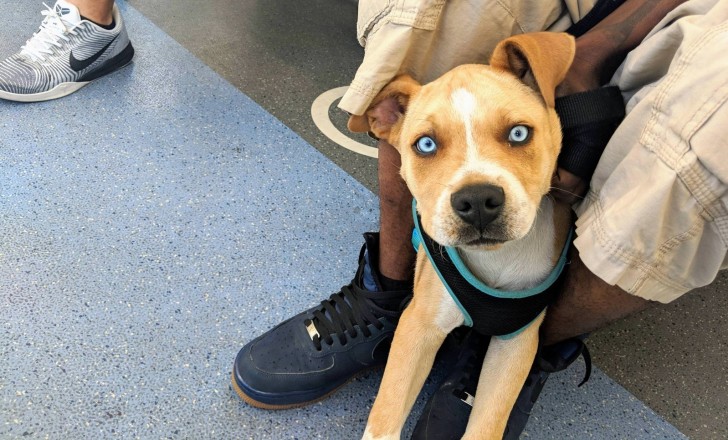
(599, 52)
(587, 303)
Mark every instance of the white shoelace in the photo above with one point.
(52, 30)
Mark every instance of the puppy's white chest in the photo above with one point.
(518, 264)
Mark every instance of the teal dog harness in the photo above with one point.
(489, 311)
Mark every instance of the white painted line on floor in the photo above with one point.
(320, 115)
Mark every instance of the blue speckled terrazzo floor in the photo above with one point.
(153, 223)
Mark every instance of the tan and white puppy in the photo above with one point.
(479, 148)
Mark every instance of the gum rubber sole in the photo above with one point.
(252, 402)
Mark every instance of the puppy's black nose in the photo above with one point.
(478, 205)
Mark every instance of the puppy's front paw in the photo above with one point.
(369, 436)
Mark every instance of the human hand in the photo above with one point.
(598, 53)
(586, 70)
(567, 187)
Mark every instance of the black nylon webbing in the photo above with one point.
(588, 121)
(601, 10)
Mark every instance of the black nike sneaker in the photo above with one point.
(446, 414)
(311, 355)
(65, 54)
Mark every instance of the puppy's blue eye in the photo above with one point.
(426, 145)
(519, 134)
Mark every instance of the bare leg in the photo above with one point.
(98, 11)
(396, 254)
(587, 304)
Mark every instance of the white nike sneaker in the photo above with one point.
(65, 54)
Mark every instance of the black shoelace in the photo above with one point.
(552, 362)
(548, 362)
(339, 315)
(468, 382)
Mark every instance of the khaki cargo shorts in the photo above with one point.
(655, 220)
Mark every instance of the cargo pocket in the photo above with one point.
(373, 14)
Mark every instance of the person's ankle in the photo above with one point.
(389, 284)
(106, 24)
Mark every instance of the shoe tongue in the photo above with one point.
(68, 12)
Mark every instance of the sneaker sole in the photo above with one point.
(59, 91)
(64, 89)
(252, 402)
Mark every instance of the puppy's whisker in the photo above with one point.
(441, 250)
(567, 192)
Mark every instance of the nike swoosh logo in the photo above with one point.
(381, 350)
(79, 65)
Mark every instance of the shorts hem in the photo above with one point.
(617, 266)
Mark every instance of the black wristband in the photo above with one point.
(588, 120)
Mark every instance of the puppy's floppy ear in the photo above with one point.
(384, 114)
(539, 59)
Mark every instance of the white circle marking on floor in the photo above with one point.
(320, 115)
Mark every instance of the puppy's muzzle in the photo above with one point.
(478, 205)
